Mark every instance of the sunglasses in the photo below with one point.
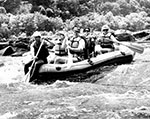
(105, 30)
(37, 37)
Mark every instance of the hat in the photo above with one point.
(60, 33)
(36, 34)
(86, 30)
(105, 27)
(76, 29)
(23, 35)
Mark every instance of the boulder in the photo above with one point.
(123, 35)
(7, 51)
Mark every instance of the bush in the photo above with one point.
(4, 31)
(4, 28)
(23, 20)
(50, 12)
(24, 9)
(133, 21)
(42, 10)
(2, 10)
(12, 6)
(32, 22)
(45, 23)
(136, 21)
(4, 19)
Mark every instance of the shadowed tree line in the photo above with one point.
(67, 9)
(17, 16)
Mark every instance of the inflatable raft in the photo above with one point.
(125, 55)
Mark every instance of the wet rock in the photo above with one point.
(6, 51)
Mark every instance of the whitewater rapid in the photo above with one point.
(118, 92)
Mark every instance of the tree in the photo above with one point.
(135, 6)
(50, 12)
(145, 3)
(125, 8)
(12, 6)
(137, 21)
(42, 10)
(45, 3)
(106, 7)
(2, 10)
(116, 9)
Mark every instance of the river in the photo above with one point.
(113, 92)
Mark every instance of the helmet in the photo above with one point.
(23, 35)
(105, 27)
(86, 30)
(76, 29)
(36, 34)
(60, 33)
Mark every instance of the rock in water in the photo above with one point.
(6, 51)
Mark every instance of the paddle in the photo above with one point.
(134, 47)
(70, 59)
(27, 76)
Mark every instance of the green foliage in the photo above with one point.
(80, 7)
(2, 10)
(45, 3)
(4, 31)
(48, 24)
(3, 19)
(51, 15)
(107, 6)
(32, 22)
(4, 28)
(133, 21)
(24, 9)
(125, 7)
(42, 10)
(134, 5)
(23, 20)
(136, 21)
(93, 21)
(144, 3)
(12, 6)
(67, 9)
(50, 12)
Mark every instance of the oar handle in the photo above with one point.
(39, 48)
(70, 59)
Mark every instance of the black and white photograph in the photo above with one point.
(74, 59)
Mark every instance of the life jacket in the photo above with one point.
(43, 53)
(60, 49)
(106, 41)
(75, 44)
(89, 46)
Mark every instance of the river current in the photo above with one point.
(109, 92)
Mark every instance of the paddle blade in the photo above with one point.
(70, 59)
(136, 48)
(27, 77)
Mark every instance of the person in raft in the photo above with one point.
(106, 42)
(59, 49)
(39, 52)
(77, 45)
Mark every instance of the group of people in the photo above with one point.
(80, 45)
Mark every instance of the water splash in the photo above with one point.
(8, 115)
